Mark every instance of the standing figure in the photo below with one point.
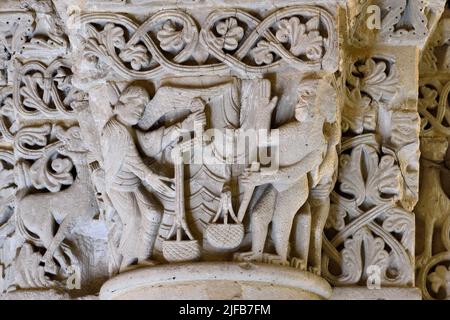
(125, 177)
(289, 186)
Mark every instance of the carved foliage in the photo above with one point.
(369, 84)
(369, 224)
(15, 28)
(370, 87)
(377, 182)
(8, 124)
(365, 222)
(440, 280)
(33, 34)
(8, 243)
(50, 170)
(305, 38)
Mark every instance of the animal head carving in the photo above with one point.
(72, 140)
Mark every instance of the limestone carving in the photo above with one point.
(125, 176)
(369, 202)
(433, 207)
(37, 213)
(149, 149)
(396, 22)
(38, 90)
(221, 37)
(289, 188)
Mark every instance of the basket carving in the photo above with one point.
(225, 236)
(181, 251)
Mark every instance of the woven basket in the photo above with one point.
(225, 236)
(181, 251)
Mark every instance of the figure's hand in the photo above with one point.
(79, 105)
(226, 198)
(197, 118)
(176, 134)
(159, 183)
(197, 105)
(251, 179)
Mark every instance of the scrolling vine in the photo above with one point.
(305, 39)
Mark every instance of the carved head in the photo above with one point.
(306, 103)
(72, 140)
(316, 101)
(302, 109)
(131, 105)
(434, 148)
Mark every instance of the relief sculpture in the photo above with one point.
(286, 150)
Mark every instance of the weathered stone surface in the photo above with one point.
(283, 149)
(200, 281)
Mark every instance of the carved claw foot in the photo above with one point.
(298, 263)
(275, 259)
(315, 270)
(247, 257)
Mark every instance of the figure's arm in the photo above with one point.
(156, 141)
(137, 166)
(330, 161)
(288, 174)
(171, 135)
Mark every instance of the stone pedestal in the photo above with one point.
(217, 281)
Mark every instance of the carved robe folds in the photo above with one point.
(152, 150)
(124, 171)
